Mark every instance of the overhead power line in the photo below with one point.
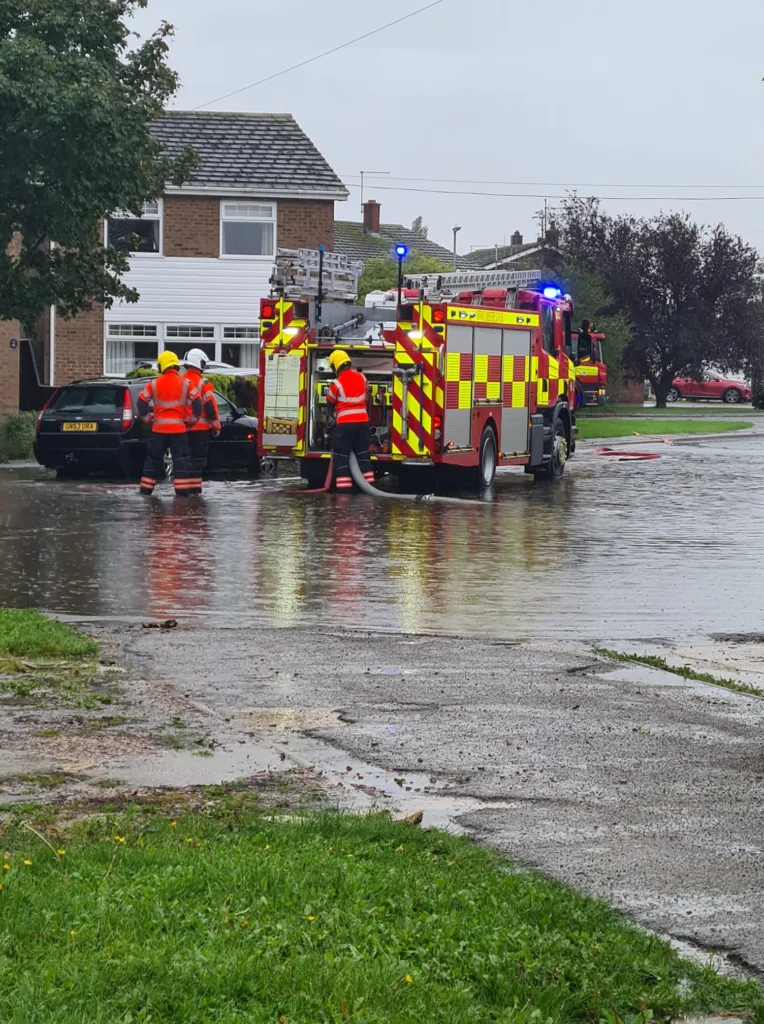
(548, 184)
(547, 195)
(319, 56)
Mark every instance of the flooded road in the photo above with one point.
(667, 548)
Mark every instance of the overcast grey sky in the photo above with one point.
(648, 98)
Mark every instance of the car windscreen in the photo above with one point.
(95, 399)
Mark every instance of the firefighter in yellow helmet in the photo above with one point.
(348, 395)
(171, 405)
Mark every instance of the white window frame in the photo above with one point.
(115, 331)
(190, 337)
(272, 219)
(156, 338)
(242, 338)
(158, 215)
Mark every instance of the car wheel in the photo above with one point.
(731, 396)
(555, 467)
(485, 472)
(673, 395)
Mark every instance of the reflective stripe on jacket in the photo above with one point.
(170, 403)
(210, 418)
(349, 396)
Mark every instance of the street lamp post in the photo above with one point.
(456, 229)
(401, 251)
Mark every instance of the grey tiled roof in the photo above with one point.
(351, 241)
(480, 258)
(265, 153)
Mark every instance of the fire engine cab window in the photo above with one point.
(547, 327)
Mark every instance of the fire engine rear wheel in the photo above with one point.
(488, 457)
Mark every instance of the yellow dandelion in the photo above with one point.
(60, 852)
(245, 924)
(6, 867)
(198, 845)
(119, 839)
(331, 849)
(282, 1019)
(173, 824)
(267, 847)
(73, 932)
(28, 863)
(310, 917)
(399, 849)
(189, 840)
(409, 980)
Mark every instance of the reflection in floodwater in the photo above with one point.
(664, 548)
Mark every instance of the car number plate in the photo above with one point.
(77, 428)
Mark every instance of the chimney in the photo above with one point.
(516, 239)
(553, 234)
(371, 217)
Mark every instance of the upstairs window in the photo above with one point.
(137, 233)
(247, 229)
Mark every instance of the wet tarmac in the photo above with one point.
(667, 548)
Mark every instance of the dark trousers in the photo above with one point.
(153, 468)
(199, 444)
(347, 438)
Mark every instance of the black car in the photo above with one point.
(92, 426)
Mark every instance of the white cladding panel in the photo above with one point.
(196, 291)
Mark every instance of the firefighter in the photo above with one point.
(348, 396)
(209, 422)
(172, 406)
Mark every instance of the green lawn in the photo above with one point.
(621, 427)
(27, 634)
(677, 409)
(230, 916)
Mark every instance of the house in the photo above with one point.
(205, 250)
(518, 255)
(371, 239)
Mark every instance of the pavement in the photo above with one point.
(628, 783)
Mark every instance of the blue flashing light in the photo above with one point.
(551, 291)
(401, 251)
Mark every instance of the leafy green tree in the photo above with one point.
(691, 294)
(78, 94)
(381, 274)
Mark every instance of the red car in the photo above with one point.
(710, 386)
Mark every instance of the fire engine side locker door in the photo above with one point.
(457, 418)
(516, 375)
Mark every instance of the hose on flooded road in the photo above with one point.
(374, 492)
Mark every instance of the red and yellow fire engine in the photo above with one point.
(591, 371)
(471, 371)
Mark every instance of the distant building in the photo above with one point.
(518, 255)
(370, 239)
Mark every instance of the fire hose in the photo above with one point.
(374, 492)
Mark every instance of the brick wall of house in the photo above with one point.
(192, 226)
(79, 346)
(9, 367)
(305, 224)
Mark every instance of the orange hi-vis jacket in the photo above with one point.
(170, 403)
(210, 418)
(349, 395)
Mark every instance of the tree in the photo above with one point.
(381, 274)
(690, 293)
(77, 99)
(419, 227)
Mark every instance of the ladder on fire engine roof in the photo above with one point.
(296, 272)
(441, 286)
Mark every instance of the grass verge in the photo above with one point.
(655, 661)
(27, 634)
(621, 427)
(231, 916)
(673, 411)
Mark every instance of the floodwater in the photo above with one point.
(669, 548)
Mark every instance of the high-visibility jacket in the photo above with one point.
(349, 396)
(210, 418)
(170, 403)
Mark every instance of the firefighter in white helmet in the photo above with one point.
(196, 362)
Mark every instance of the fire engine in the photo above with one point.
(468, 372)
(589, 360)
